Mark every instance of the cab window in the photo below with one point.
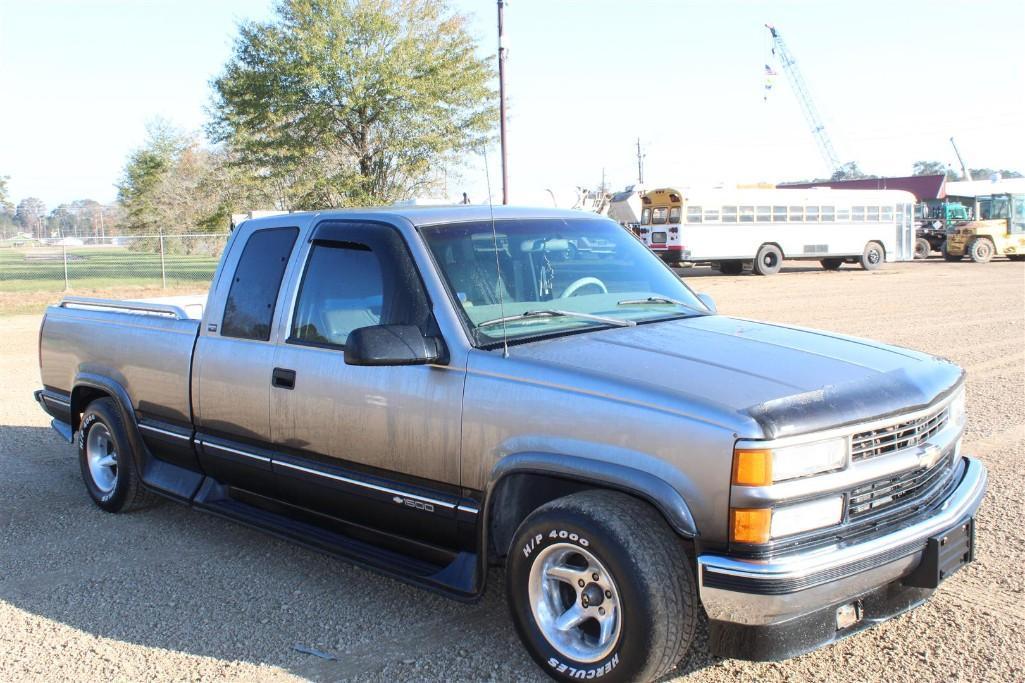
(356, 277)
(659, 215)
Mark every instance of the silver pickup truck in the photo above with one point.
(430, 391)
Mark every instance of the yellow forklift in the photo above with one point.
(999, 231)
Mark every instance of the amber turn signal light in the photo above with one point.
(750, 525)
(752, 467)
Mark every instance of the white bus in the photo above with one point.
(734, 229)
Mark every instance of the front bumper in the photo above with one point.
(780, 607)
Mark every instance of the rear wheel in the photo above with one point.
(600, 586)
(769, 260)
(731, 267)
(873, 256)
(831, 263)
(106, 459)
(981, 250)
(922, 248)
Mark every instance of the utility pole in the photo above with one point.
(503, 52)
(640, 163)
(603, 180)
(964, 169)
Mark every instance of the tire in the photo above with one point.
(922, 248)
(981, 250)
(642, 570)
(831, 263)
(731, 267)
(950, 257)
(107, 461)
(873, 256)
(769, 260)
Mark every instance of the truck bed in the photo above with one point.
(145, 345)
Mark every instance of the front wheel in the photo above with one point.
(768, 261)
(981, 250)
(600, 586)
(873, 256)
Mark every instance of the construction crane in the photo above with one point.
(789, 65)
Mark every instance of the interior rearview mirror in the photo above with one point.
(391, 345)
(709, 302)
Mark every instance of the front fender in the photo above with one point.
(645, 485)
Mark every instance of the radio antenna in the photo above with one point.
(498, 263)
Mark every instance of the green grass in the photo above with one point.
(100, 268)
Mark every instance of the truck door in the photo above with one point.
(377, 447)
(234, 359)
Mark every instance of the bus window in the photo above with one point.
(796, 214)
(858, 214)
(646, 216)
(711, 215)
(811, 214)
(658, 215)
(779, 214)
(747, 214)
(764, 214)
(674, 214)
(887, 213)
(873, 213)
(729, 214)
(843, 214)
(693, 214)
(827, 214)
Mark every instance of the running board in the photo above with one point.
(455, 576)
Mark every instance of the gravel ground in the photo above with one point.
(171, 594)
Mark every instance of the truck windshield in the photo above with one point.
(502, 277)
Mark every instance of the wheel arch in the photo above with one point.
(523, 482)
(157, 475)
(779, 246)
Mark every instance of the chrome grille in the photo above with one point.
(897, 489)
(898, 436)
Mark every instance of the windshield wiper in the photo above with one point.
(553, 313)
(660, 300)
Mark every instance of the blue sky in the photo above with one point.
(893, 80)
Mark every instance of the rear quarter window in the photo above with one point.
(249, 309)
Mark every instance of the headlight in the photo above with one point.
(956, 411)
(764, 466)
(761, 525)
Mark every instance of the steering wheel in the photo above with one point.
(581, 283)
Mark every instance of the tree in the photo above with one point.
(849, 171)
(987, 173)
(345, 102)
(6, 207)
(7, 228)
(31, 216)
(173, 185)
(934, 168)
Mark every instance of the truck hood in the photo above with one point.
(789, 380)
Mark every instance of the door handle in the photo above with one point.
(283, 378)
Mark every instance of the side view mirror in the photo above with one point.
(391, 345)
(709, 302)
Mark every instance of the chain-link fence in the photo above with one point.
(149, 261)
